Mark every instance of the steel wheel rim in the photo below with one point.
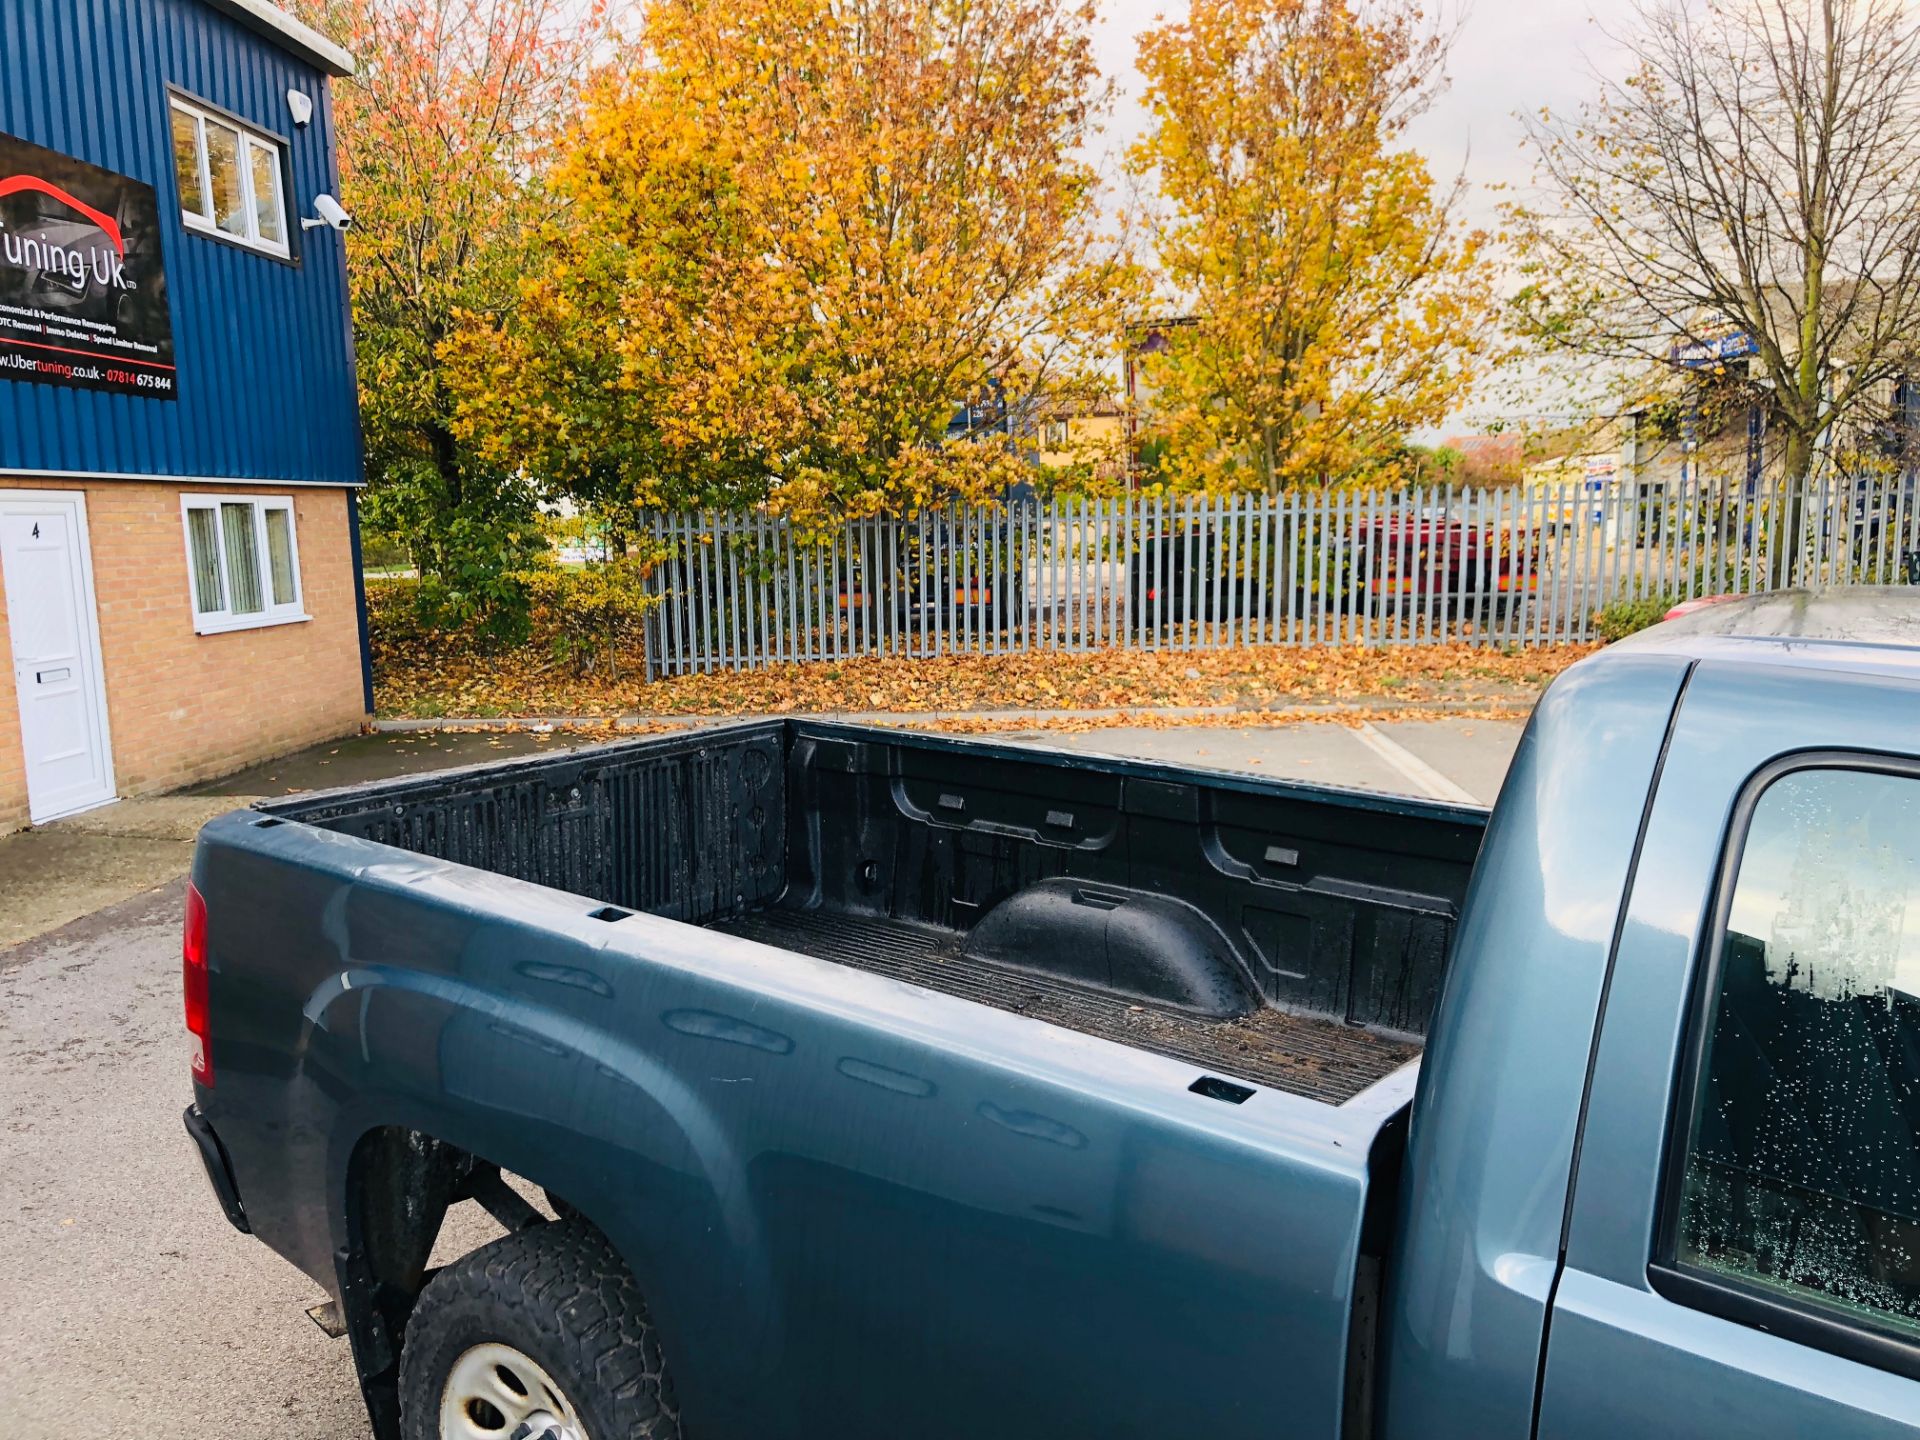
(493, 1389)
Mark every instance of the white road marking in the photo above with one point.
(1425, 778)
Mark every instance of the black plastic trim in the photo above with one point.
(213, 1155)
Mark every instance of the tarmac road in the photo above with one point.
(132, 1309)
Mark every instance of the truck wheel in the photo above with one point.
(544, 1326)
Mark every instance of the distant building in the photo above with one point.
(179, 442)
(1489, 459)
(982, 414)
(1091, 432)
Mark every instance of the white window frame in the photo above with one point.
(203, 222)
(220, 622)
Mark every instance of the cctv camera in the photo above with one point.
(330, 211)
(330, 215)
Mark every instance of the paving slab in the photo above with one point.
(68, 868)
(384, 755)
(150, 817)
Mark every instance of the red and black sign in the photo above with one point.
(83, 296)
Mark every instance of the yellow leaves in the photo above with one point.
(821, 229)
(1336, 307)
(430, 674)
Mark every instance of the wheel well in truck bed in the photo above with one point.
(1211, 894)
(400, 1184)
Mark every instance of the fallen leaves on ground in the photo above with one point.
(419, 672)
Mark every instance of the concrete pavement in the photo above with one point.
(1443, 758)
(73, 867)
(381, 756)
(1462, 761)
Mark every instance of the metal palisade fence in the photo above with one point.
(1496, 566)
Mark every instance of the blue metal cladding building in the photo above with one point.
(179, 433)
(263, 347)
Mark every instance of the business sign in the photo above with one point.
(83, 297)
(1713, 352)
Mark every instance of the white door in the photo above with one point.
(56, 651)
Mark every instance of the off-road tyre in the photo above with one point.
(559, 1294)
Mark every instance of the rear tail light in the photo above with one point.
(193, 984)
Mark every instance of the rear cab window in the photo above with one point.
(1793, 1188)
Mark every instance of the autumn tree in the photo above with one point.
(1753, 184)
(1337, 303)
(799, 236)
(444, 134)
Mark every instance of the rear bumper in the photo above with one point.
(213, 1156)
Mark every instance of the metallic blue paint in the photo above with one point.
(1625, 1363)
(1709, 1376)
(1494, 1126)
(264, 348)
(865, 1207)
(851, 1196)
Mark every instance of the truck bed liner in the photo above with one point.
(1321, 1059)
(1284, 935)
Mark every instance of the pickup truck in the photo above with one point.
(883, 1085)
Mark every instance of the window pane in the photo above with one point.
(223, 174)
(280, 554)
(243, 559)
(1803, 1167)
(203, 540)
(268, 224)
(186, 162)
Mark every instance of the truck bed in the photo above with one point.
(1282, 935)
(1302, 1054)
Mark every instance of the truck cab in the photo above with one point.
(1661, 1170)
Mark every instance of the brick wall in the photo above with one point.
(13, 764)
(184, 707)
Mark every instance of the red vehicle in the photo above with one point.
(1450, 565)
(1687, 607)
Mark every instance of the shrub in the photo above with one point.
(470, 550)
(1626, 617)
(587, 613)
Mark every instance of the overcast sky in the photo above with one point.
(1511, 55)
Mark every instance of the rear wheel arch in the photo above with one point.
(399, 1184)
